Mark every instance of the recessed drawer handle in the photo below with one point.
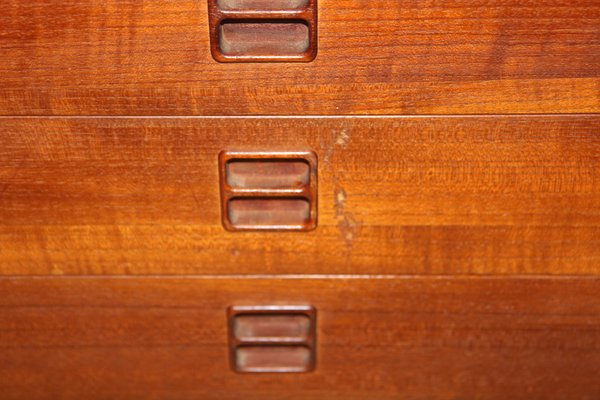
(263, 30)
(269, 191)
(272, 338)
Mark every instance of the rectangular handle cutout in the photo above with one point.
(279, 359)
(263, 38)
(253, 212)
(268, 174)
(250, 5)
(293, 327)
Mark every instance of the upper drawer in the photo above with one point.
(126, 57)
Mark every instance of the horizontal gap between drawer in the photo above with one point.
(310, 277)
(303, 117)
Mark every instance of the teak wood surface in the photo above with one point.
(459, 195)
(457, 255)
(130, 57)
(377, 338)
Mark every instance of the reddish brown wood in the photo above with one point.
(388, 338)
(129, 57)
(262, 31)
(267, 193)
(497, 216)
(437, 195)
(272, 338)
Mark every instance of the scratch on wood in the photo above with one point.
(339, 138)
(347, 223)
(343, 138)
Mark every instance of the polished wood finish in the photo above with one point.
(457, 254)
(435, 195)
(130, 57)
(384, 338)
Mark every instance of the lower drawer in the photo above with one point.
(381, 337)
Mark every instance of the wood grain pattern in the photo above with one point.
(129, 57)
(436, 195)
(414, 338)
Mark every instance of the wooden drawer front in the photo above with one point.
(426, 338)
(440, 195)
(128, 57)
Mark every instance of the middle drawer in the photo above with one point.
(435, 195)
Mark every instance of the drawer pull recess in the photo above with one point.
(268, 191)
(275, 339)
(263, 30)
